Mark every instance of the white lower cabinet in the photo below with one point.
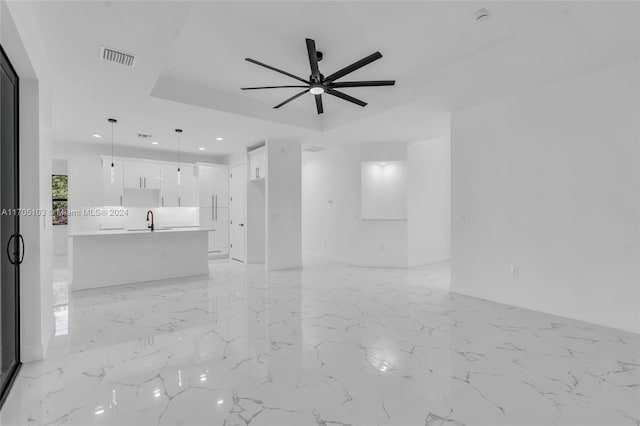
(222, 230)
(218, 220)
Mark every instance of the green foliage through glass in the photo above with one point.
(60, 195)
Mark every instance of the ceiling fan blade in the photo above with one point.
(363, 83)
(297, 95)
(345, 97)
(253, 61)
(313, 58)
(267, 87)
(351, 68)
(319, 104)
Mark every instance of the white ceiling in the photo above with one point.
(191, 64)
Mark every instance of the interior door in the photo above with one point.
(236, 212)
(12, 242)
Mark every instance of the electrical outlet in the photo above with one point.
(515, 271)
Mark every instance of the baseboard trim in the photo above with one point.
(545, 312)
(284, 267)
(31, 353)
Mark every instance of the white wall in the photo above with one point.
(429, 201)
(547, 181)
(332, 225)
(21, 40)
(59, 231)
(383, 190)
(283, 205)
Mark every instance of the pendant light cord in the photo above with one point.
(178, 131)
(112, 121)
(112, 144)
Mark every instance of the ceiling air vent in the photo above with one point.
(313, 148)
(111, 55)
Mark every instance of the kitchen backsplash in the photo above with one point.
(133, 217)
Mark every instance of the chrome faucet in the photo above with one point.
(151, 225)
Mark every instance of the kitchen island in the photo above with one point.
(103, 258)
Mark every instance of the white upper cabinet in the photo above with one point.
(169, 189)
(258, 163)
(178, 194)
(161, 181)
(132, 175)
(187, 193)
(141, 175)
(152, 176)
(112, 190)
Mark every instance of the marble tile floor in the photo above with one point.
(326, 345)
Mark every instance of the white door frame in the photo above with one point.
(244, 203)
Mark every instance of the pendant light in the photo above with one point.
(113, 169)
(178, 131)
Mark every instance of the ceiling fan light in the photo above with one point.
(316, 90)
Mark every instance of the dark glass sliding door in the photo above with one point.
(10, 238)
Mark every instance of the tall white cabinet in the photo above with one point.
(213, 199)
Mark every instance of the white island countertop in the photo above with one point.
(101, 258)
(138, 231)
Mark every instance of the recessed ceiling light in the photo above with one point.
(219, 138)
(96, 136)
(201, 149)
(154, 143)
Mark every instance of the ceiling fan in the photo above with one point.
(319, 84)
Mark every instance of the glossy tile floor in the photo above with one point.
(328, 345)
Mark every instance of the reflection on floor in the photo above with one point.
(328, 345)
